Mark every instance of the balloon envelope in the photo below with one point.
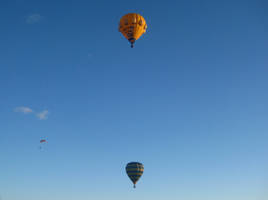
(132, 26)
(134, 171)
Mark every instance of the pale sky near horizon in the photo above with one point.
(189, 101)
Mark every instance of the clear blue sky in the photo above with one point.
(189, 101)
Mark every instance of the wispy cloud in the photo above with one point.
(34, 18)
(43, 115)
(23, 109)
(26, 110)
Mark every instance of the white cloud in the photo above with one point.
(26, 110)
(23, 109)
(43, 115)
(34, 18)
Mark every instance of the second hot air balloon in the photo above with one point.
(134, 171)
(132, 26)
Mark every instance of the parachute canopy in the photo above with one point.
(43, 143)
(132, 26)
(134, 171)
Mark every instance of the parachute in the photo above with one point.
(42, 143)
(132, 26)
(134, 171)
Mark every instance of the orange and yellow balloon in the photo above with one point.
(132, 26)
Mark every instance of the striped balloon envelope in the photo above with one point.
(134, 171)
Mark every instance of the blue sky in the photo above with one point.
(189, 101)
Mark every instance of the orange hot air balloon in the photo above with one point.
(132, 26)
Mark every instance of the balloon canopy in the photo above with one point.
(132, 26)
(134, 171)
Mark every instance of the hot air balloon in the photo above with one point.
(132, 26)
(134, 171)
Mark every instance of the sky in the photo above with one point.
(189, 101)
